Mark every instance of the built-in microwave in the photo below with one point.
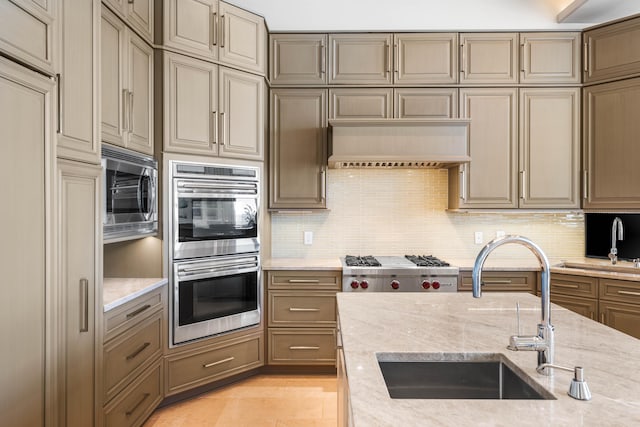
(130, 194)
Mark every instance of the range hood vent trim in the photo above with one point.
(398, 143)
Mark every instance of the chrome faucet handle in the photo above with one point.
(518, 317)
(636, 262)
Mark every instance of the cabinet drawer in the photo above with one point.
(314, 280)
(120, 319)
(584, 306)
(501, 281)
(302, 308)
(137, 402)
(301, 346)
(130, 352)
(620, 290)
(579, 286)
(185, 371)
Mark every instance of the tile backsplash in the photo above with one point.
(398, 211)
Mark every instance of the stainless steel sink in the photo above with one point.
(601, 267)
(456, 376)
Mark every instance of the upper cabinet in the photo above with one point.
(361, 103)
(550, 58)
(77, 64)
(217, 31)
(138, 14)
(489, 58)
(360, 58)
(425, 58)
(127, 86)
(298, 59)
(612, 51)
(425, 103)
(26, 32)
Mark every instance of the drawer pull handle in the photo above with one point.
(563, 285)
(138, 351)
(496, 282)
(635, 294)
(138, 311)
(303, 309)
(219, 362)
(304, 281)
(137, 405)
(303, 347)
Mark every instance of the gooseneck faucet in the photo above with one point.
(616, 228)
(543, 343)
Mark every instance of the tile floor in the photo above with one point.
(260, 401)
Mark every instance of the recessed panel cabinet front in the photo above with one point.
(298, 147)
(360, 58)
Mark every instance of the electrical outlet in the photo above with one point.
(477, 237)
(308, 237)
(499, 234)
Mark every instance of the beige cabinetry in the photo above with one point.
(139, 14)
(611, 157)
(489, 58)
(612, 51)
(425, 58)
(26, 323)
(501, 281)
(79, 255)
(360, 58)
(547, 58)
(361, 103)
(620, 305)
(576, 293)
(302, 317)
(212, 110)
(77, 67)
(127, 86)
(298, 148)
(27, 32)
(425, 103)
(298, 59)
(215, 30)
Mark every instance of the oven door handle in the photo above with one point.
(217, 271)
(240, 188)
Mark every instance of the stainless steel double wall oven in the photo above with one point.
(214, 250)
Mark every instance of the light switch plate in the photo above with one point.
(308, 237)
(477, 237)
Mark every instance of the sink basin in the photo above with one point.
(601, 267)
(456, 376)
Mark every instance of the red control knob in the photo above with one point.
(436, 285)
(426, 284)
(395, 284)
(355, 284)
(364, 284)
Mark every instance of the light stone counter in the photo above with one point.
(302, 264)
(118, 291)
(415, 322)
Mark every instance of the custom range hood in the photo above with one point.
(398, 143)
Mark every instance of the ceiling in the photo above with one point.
(437, 15)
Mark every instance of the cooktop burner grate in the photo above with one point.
(361, 261)
(426, 261)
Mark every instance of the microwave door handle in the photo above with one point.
(150, 197)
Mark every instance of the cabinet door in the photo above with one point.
(140, 15)
(298, 149)
(611, 129)
(501, 281)
(26, 114)
(360, 58)
(112, 77)
(242, 114)
(26, 32)
(623, 317)
(550, 58)
(612, 51)
(421, 103)
(361, 103)
(586, 307)
(298, 59)
(489, 181)
(190, 105)
(550, 148)
(78, 197)
(78, 80)
(243, 39)
(489, 58)
(429, 58)
(189, 25)
(140, 83)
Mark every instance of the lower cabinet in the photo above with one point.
(501, 281)
(301, 307)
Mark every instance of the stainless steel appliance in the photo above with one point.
(215, 210)
(214, 295)
(410, 273)
(130, 194)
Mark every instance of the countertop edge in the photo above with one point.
(141, 287)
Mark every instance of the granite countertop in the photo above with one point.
(302, 264)
(117, 291)
(416, 322)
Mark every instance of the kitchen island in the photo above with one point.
(459, 323)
